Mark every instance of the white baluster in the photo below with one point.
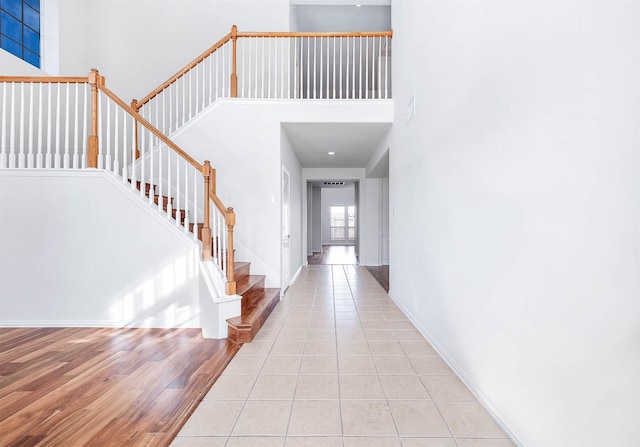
(47, 161)
(30, 153)
(56, 155)
(170, 189)
(107, 150)
(3, 135)
(162, 149)
(386, 63)
(194, 207)
(186, 198)
(178, 188)
(360, 68)
(116, 145)
(334, 66)
(210, 59)
(366, 68)
(40, 130)
(340, 68)
(21, 155)
(320, 68)
(134, 125)
(151, 150)
(353, 71)
(315, 66)
(67, 125)
(288, 65)
(308, 39)
(85, 126)
(101, 133)
(262, 69)
(124, 146)
(12, 130)
(76, 129)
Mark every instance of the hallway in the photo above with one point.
(337, 364)
(334, 255)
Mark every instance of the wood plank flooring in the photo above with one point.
(334, 254)
(103, 386)
(381, 274)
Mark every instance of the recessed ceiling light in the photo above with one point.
(331, 153)
(357, 6)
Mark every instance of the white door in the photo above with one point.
(286, 232)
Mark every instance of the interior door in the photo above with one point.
(286, 232)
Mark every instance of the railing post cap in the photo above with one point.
(234, 31)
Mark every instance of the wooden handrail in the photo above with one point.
(45, 79)
(151, 128)
(180, 73)
(317, 34)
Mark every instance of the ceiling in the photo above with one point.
(353, 143)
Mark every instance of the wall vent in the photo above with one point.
(333, 183)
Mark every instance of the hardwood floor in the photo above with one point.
(381, 274)
(103, 386)
(334, 254)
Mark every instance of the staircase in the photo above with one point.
(257, 301)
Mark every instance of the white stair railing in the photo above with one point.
(44, 124)
(77, 123)
(286, 65)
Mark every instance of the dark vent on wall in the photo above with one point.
(333, 183)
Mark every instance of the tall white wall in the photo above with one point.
(524, 154)
(138, 44)
(77, 249)
(334, 196)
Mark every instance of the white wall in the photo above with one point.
(139, 44)
(524, 155)
(374, 221)
(384, 229)
(63, 237)
(11, 65)
(290, 161)
(334, 196)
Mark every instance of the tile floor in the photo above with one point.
(339, 365)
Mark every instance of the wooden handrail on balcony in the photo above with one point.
(181, 73)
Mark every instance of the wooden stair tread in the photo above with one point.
(246, 283)
(256, 307)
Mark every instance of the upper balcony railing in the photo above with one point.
(287, 65)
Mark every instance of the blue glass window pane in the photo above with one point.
(31, 18)
(32, 58)
(13, 7)
(35, 4)
(11, 46)
(31, 41)
(11, 27)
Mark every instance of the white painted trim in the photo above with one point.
(493, 411)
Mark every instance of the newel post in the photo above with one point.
(92, 141)
(234, 74)
(206, 227)
(231, 282)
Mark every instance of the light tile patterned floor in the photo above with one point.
(339, 365)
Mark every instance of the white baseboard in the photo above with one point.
(496, 415)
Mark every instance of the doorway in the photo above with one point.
(332, 222)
